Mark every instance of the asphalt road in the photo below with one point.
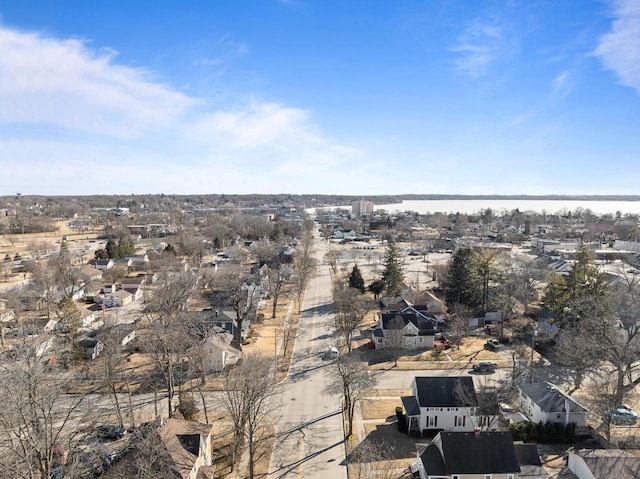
(310, 439)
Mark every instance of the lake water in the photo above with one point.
(475, 206)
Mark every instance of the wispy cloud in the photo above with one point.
(480, 46)
(619, 50)
(562, 85)
(69, 111)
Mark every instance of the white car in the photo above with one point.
(334, 353)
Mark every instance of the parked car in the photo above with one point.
(334, 353)
(440, 342)
(621, 415)
(492, 344)
(109, 431)
(485, 367)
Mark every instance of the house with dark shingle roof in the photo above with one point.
(441, 403)
(470, 455)
(416, 328)
(545, 402)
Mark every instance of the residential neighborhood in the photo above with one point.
(448, 350)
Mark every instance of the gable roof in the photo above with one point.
(425, 325)
(437, 391)
(529, 459)
(605, 463)
(182, 440)
(550, 398)
(473, 453)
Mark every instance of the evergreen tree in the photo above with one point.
(356, 280)
(571, 297)
(463, 284)
(111, 248)
(376, 287)
(392, 275)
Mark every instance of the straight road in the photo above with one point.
(310, 438)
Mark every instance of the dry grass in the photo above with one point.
(379, 408)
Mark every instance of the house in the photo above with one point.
(218, 351)
(414, 330)
(545, 402)
(228, 320)
(470, 455)
(89, 274)
(87, 317)
(139, 262)
(118, 299)
(182, 449)
(445, 404)
(123, 333)
(102, 264)
(529, 460)
(134, 286)
(603, 463)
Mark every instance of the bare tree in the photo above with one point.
(458, 323)
(249, 397)
(351, 378)
(374, 459)
(351, 308)
(394, 339)
(239, 289)
(332, 257)
(43, 279)
(113, 365)
(304, 266)
(38, 427)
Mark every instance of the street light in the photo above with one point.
(533, 346)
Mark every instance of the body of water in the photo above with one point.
(475, 206)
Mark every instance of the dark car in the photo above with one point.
(485, 367)
(108, 431)
(622, 415)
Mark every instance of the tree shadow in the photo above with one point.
(387, 437)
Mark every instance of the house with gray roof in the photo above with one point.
(603, 464)
(545, 402)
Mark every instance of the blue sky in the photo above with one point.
(300, 96)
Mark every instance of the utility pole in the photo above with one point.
(533, 347)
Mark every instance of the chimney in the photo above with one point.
(476, 431)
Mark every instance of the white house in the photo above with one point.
(219, 353)
(408, 329)
(469, 455)
(545, 402)
(445, 404)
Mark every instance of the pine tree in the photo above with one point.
(392, 276)
(463, 285)
(356, 280)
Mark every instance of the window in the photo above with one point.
(510, 476)
(460, 421)
(487, 476)
(455, 476)
(433, 421)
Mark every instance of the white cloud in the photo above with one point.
(480, 45)
(76, 121)
(562, 85)
(619, 50)
(66, 84)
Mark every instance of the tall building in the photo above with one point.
(361, 207)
